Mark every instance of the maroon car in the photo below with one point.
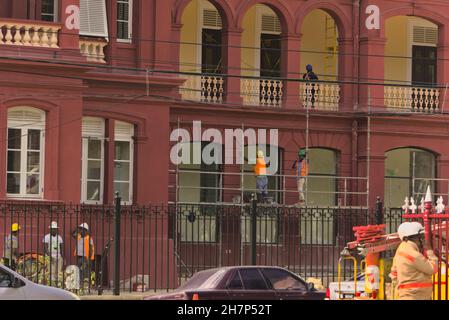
(244, 283)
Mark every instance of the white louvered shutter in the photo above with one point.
(212, 19)
(26, 117)
(426, 35)
(93, 18)
(123, 130)
(93, 127)
(271, 23)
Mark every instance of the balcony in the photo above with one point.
(29, 33)
(262, 92)
(415, 99)
(93, 49)
(204, 88)
(320, 96)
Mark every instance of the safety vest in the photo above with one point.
(303, 170)
(260, 169)
(85, 252)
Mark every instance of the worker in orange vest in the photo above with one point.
(302, 171)
(84, 251)
(412, 271)
(260, 170)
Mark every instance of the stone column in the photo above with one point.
(290, 68)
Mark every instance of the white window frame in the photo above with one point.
(99, 135)
(24, 126)
(130, 22)
(121, 137)
(55, 11)
(261, 9)
(410, 41)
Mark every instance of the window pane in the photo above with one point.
(123, 189)
(34, 139)
(122, 150)
(94, 149)
(14, 138)
(121, 172)
(14, 161)
(13, 184)
(33, 161)
(32, 184)
(252, 279)
(93, 190)
(94, 169)
(122, 11)
(281, 280)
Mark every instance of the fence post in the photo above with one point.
(118, 201)
(379, 211)
(253, 229)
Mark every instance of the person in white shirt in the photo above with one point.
(54, 248)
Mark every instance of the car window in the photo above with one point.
(5, 279)
(236, 282)
(283, 280)
(252, 279)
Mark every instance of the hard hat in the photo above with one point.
(15, 227)
(302, 152)
(84, 226)
(260, 154)
(408, 229)
(309, 67)
(53, 225)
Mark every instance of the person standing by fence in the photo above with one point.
(54, 247)
(260, 170)
(302, 171)
(11, 247)
(84, 251)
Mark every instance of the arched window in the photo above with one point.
(408, 172)
(322, 181)
(92, 162)
(26, 128)
(199, 182)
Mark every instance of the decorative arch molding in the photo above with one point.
(222, 6)
(418, 11)
(31, 103)
(426, 149)
(277, 6)
(340, 17)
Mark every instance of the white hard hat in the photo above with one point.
(53, 225)
(408, 229)
(260, 154)
(84, 226)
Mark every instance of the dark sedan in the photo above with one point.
(244, 283)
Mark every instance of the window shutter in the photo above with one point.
(19, 117)
(93, 127)
(123, 130)
(93, 18)
(211, 18)
(271, 23)
(426, 35)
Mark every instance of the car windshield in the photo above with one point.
(203, 280)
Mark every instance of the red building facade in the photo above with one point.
(98, 104)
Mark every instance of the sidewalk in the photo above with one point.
(108, 295)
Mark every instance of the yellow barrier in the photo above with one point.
(339, 274)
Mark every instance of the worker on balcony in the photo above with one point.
(311, 88)
(302, 171)
(260, 170)
(412, 270)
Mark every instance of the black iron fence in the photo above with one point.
(163, 245)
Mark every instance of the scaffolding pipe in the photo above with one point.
(368, 149)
